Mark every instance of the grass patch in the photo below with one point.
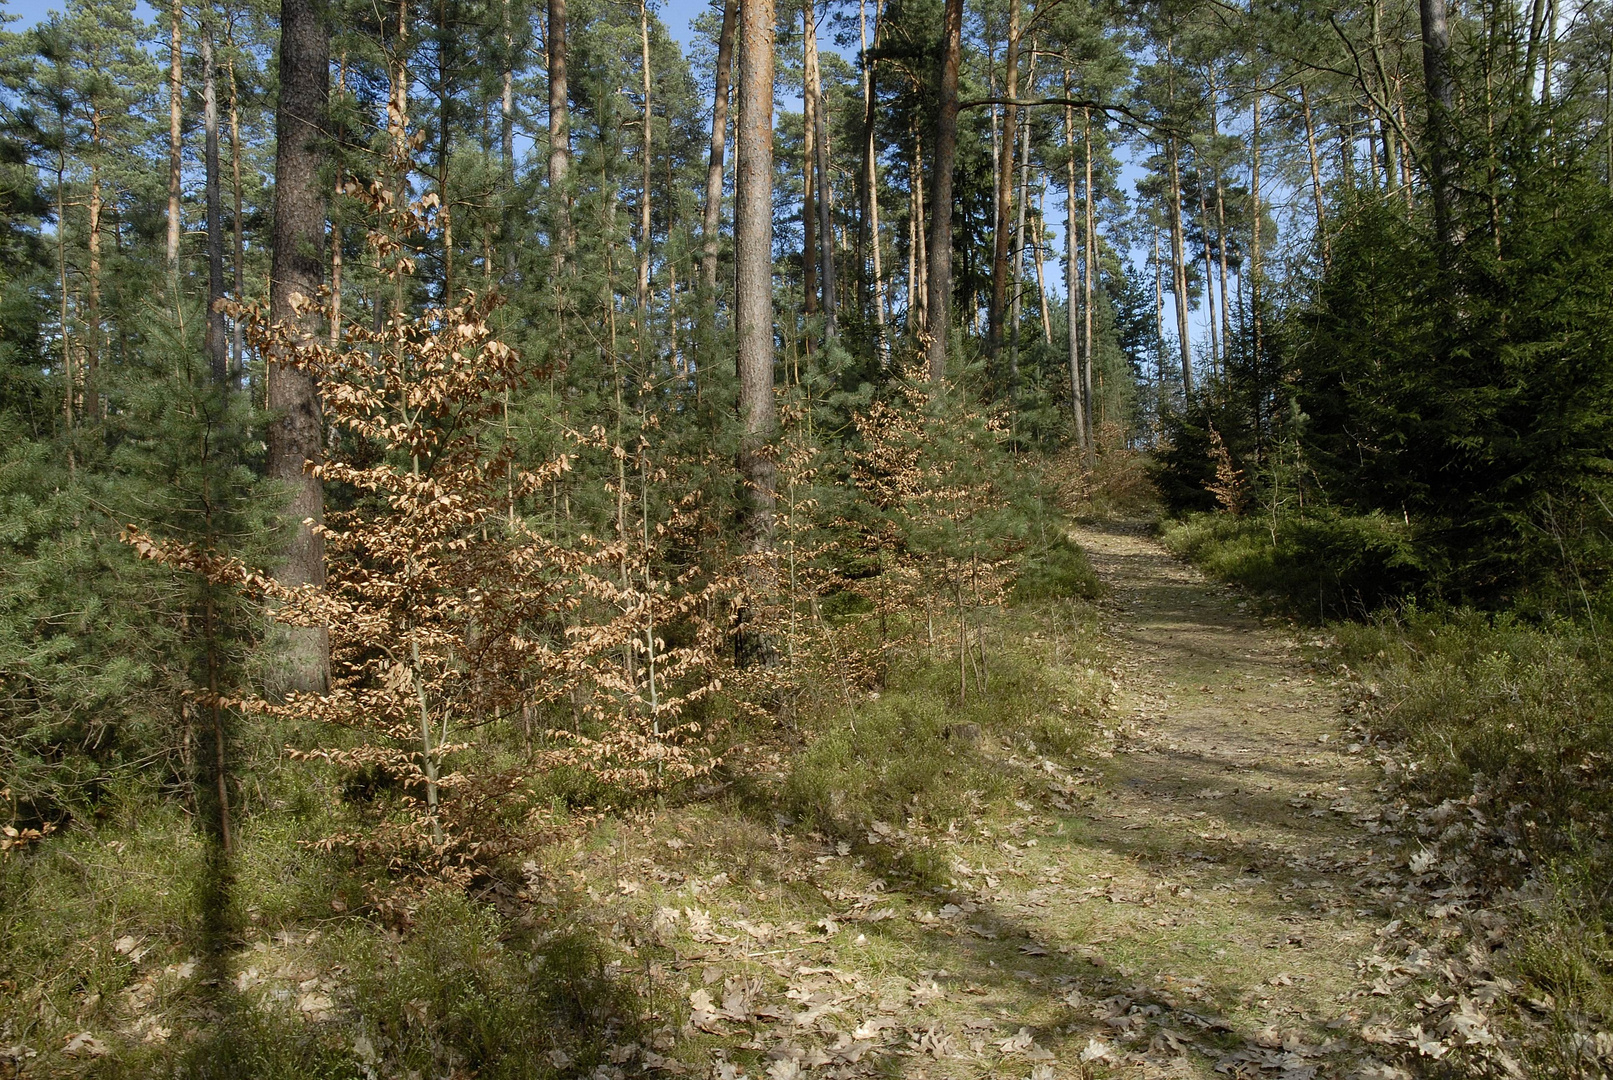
(1512, 724)
(915, 753)
(1320, 566)
(326, 968)
(1055, 571)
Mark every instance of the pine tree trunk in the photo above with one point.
(1179, 265)
(559, 121)
(1017, 263)
(1256, 213)
(1072, 279)
(297, 271)
(809, 194)
(870, 184)
(1316, 175)
(1089, 281)
(1159, 317)
(939, 307)
(238, 241)
(1005, 188)
(645, 150)
(1221, 236)
(92, 281)
(506, 105)
(719, 139)
(336, 220)
(753, 254)
(913, 291)
(1441, 99)
(69, 381)
(922, 303)
(1209, 275)
(820, 164)
(1041, 272)
(218, 346)
(175, 91)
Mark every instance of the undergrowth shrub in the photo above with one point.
(1058, 570)
(914, 754)
(458, 995)
(1520, 715)
(1507, 733)
(1322, 565)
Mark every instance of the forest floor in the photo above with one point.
(1169, 855)
(1191, 896)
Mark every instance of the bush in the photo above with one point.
(1056, 571)
(1323, 565)
(1511, 725)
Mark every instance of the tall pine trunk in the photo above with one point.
(645, 150)
(1072, 278)
(719, 139)
(559, 126)
(809, 188)
(175, 91)
(1005, 187)
(753, 256)
(296, 273)
(1441, 98)
(939, 271)
(218, 345)
(1089, 282)
(870, 182)
(820, 164)
(1316, 175)
(1179, 264)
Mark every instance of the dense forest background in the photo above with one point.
(498, 412)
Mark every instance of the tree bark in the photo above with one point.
(1441, 94)
(939, 307)
(92, 304)
(753, 255)
(238, 241)
(820, 152)
(175, 90)
(809, 191)
(1256, 213)
(870, 215)
(1072, 281)
(218, 346)
(559, 119)
(919, 293)
(645, 151)
(1089, 281)
(1179, 266)
(1220, 232)
(296, 272)
(336, 220)
(1040, 229)
(719, 139)
(1316, 176)
(1018, 257)
(1209, 272)
(1005, 187)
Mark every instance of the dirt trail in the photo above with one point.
(1193, 896)
(1235, 775)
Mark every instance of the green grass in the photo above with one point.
(1511, 718)
(474, 981)
(1055, 571)
(1320, 566)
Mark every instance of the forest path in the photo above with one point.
(1190, 894)
(1235, 793)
